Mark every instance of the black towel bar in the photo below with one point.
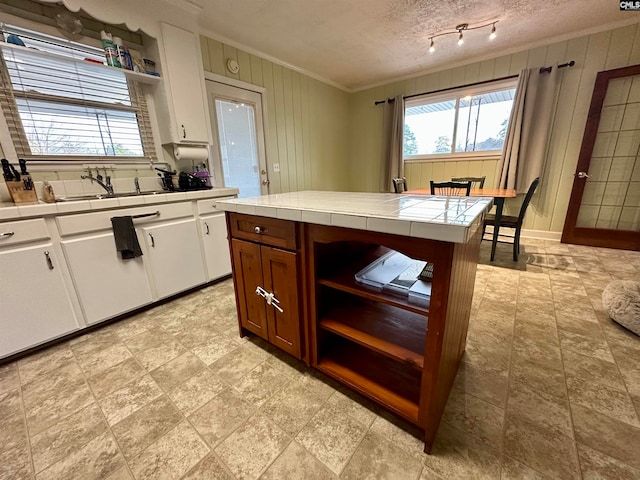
(146, 215)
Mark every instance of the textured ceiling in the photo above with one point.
(357, 43)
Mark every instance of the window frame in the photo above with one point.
(142, 107)
(454, 94)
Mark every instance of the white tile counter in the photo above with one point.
(449, 219)
(11, 211)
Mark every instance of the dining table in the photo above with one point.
(498, 194)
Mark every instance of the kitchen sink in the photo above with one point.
(99, 196)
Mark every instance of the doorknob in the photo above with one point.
(583, 175)
(263, 172)
(265, 181)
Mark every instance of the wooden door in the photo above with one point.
(247, 268)
(280, 276)
(604, 207)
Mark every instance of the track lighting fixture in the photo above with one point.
(460, 29)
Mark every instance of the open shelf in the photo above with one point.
(383, 380)
(390, 331)
(343, 279)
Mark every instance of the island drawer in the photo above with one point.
(269, 231)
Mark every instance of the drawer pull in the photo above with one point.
(270, 298)
(207, 227)
(259, 229)
(7, 234)
(153, 241)
(49, 261)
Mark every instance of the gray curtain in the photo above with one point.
(527, 137)
(393, 166)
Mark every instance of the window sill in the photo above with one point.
(462, 157)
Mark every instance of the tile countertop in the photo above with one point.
(449, 219)
(11, 211)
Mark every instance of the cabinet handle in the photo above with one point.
(259, 229)
(153, 242)
(270, 298)
(7, 234)
(184, 132)
(207, 227)
(49, 261)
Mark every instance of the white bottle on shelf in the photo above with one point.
(109, 50)
(122, 54)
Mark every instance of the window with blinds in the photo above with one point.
(61, 102)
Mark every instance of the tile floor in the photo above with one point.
(549, 388)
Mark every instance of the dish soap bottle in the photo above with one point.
(47, 192)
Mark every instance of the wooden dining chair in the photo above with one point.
(450, 188)
(399, 184)
(476, 182)
(513, 222)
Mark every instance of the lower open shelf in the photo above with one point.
(385, 381)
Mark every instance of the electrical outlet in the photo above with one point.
(276, 167)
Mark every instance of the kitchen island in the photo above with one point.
(295, 259)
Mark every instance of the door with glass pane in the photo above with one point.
(239, 155)
(604, 208)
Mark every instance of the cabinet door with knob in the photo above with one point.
(174, 256)
(216, 246)
(35, 306)
(267, 287)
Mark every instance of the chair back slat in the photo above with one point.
(527, 200)
(476, 182)
(399, 184)
(450, 188)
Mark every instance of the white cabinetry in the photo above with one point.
(106, 284)
(174, 256)
(34, 303)
(216, 245)
(183, 71)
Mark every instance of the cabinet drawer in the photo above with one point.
(209, 206)
(270, 231)
(12, 233)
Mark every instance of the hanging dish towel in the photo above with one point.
(124, 234)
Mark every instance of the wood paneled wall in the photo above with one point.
(592, 53)
(307, 125)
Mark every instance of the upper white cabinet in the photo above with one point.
(183, 70)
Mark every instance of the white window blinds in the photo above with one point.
(60, 104)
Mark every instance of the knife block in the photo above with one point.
(21, 195)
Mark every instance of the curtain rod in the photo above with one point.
(542, 70)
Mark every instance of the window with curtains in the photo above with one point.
(458, 123)
(60, 102)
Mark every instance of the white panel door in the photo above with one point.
(174, 256)
(106, 284)
(216, 246)
(34, 303)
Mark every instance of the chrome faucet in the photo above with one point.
(136, 182)
(107, 186)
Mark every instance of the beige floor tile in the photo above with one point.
(540, 448)
(123, 402)
(145, 426)
(115, 377)
(222, 415)
(135, 325)
(171, 456)
(253, 447)
(549, 378)
(627, 358)
(147, 339)
(217, 348)
(236, 364)
(13, 432)
(607, 435)
(67, 436)
(296, 462)
(15, 462)
(120, 474)
(10, 403)
(9, 377)
(598, 466)
(458, 455)
(355, 406)
(98, 340)
(260, 384)
(476, 417)
(98, 360)
(585, 345)
(198, 335)
(485, 381)
(513, 470)
(537, 406)
(42, 363)
(97, 459)
(177, 371)
(293, 407)
(209, 468)
(591, 369)
(52, 380)
(377, 458)
(396, 431)
(332, 436)
(160, 354)
(195, 392)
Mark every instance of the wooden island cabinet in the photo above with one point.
(306, 248)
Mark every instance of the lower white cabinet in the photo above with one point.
(174, 256)
(34, 303)
(106, 284)
(216, 245)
